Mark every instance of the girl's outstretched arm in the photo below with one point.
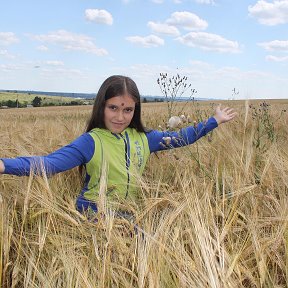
(224, 115)
(78, 152)
(190, 134)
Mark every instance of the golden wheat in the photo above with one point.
(207, 215)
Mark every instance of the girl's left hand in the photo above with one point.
(224, 115)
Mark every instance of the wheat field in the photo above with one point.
(213, 214)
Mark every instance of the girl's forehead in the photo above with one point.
(122, 100)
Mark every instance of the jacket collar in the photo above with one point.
(108, 133)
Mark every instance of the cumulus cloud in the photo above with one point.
(209, 42)
(270, 13)
(99, 16)
(275, 45)
(71, 41)
(187, 20)
(163, 28)
(148, 41)
(276, 58)
(8, 38)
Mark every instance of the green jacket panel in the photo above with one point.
(120, 159)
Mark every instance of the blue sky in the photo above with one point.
(73, 45)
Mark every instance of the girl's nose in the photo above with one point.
(120, 116)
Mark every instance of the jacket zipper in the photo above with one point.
(127, 161)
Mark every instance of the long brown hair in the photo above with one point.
(116, 85)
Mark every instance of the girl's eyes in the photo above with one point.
(112, 107)
(127, 110)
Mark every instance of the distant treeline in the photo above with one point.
(38, 102)
(61, 94)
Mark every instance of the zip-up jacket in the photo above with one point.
(121, 157)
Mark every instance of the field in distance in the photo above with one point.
(27, 98)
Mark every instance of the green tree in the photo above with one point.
(36, 102)
(11, 103)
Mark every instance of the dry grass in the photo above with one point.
(203, 218)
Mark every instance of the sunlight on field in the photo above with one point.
(213, 214)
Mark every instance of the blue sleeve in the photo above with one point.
(157, 139)
(78, 152)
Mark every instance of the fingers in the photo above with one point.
(226, 113)
(228, 110)
(232, 115)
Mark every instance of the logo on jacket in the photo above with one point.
(139, 154)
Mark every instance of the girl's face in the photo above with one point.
(118, 113)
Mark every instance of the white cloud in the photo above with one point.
(42, 48)
(270, 13)
(221, 79)
(187, 20)
(8, 38)
(71, 41)
(276, 45)
(200, 64)
(6, 54)
(62, 72)
(99, 16)
(163, 28)
(148, 41)
(209, 42)
(10, 67)
(276, 58)
(158, 1)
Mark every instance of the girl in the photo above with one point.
(115, 143)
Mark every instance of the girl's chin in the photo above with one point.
(117, 129)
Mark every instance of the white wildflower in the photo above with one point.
(174, 122)
(183, 118)
(167, 140)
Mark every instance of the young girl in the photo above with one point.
(115, 143)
